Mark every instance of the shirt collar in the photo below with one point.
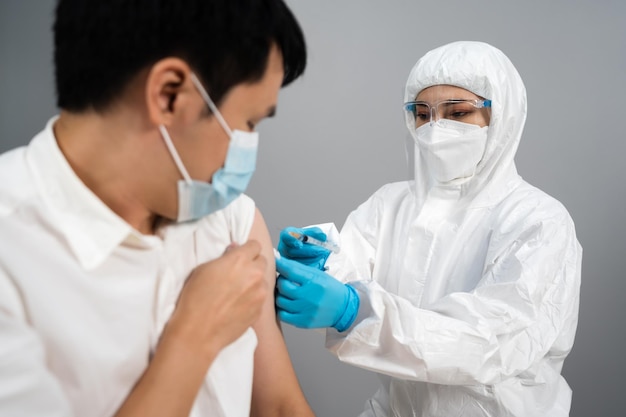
(90, 227)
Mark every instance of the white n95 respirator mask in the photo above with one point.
(451, 149)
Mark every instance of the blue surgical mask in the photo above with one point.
(197, 199)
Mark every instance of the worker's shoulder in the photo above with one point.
(538, 198)
(16, 184)
(531, 205)
(393, 190)
(389, 194)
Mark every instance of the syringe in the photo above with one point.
(331, 246)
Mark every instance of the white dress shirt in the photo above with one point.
(84, 297)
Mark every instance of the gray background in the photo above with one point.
(339, 135)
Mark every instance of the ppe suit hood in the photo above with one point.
(485, 71)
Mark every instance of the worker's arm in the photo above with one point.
(524, 307)
(275, 391)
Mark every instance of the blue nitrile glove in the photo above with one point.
(311, 255)
(310, 298)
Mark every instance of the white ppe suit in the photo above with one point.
(469, 292)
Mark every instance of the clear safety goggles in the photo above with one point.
(461, 110)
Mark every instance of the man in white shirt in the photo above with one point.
(135, 276)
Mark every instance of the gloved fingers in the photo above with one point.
(294, 319)
(295, 271)
(291, 306)
(288, 245)
(288, 240)
(292, 247)
(286, 317)
(305, 253)
(315, 232)
(287, 288)
(286, 235)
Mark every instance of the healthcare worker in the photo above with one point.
(460, 288)
(136, 277)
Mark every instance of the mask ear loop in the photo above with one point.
(210, 103)
(168, 142)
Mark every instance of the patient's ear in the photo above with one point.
(168, 90)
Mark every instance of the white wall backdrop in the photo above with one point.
(339, 134)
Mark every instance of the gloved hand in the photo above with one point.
(311, 255)
(310, 298)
